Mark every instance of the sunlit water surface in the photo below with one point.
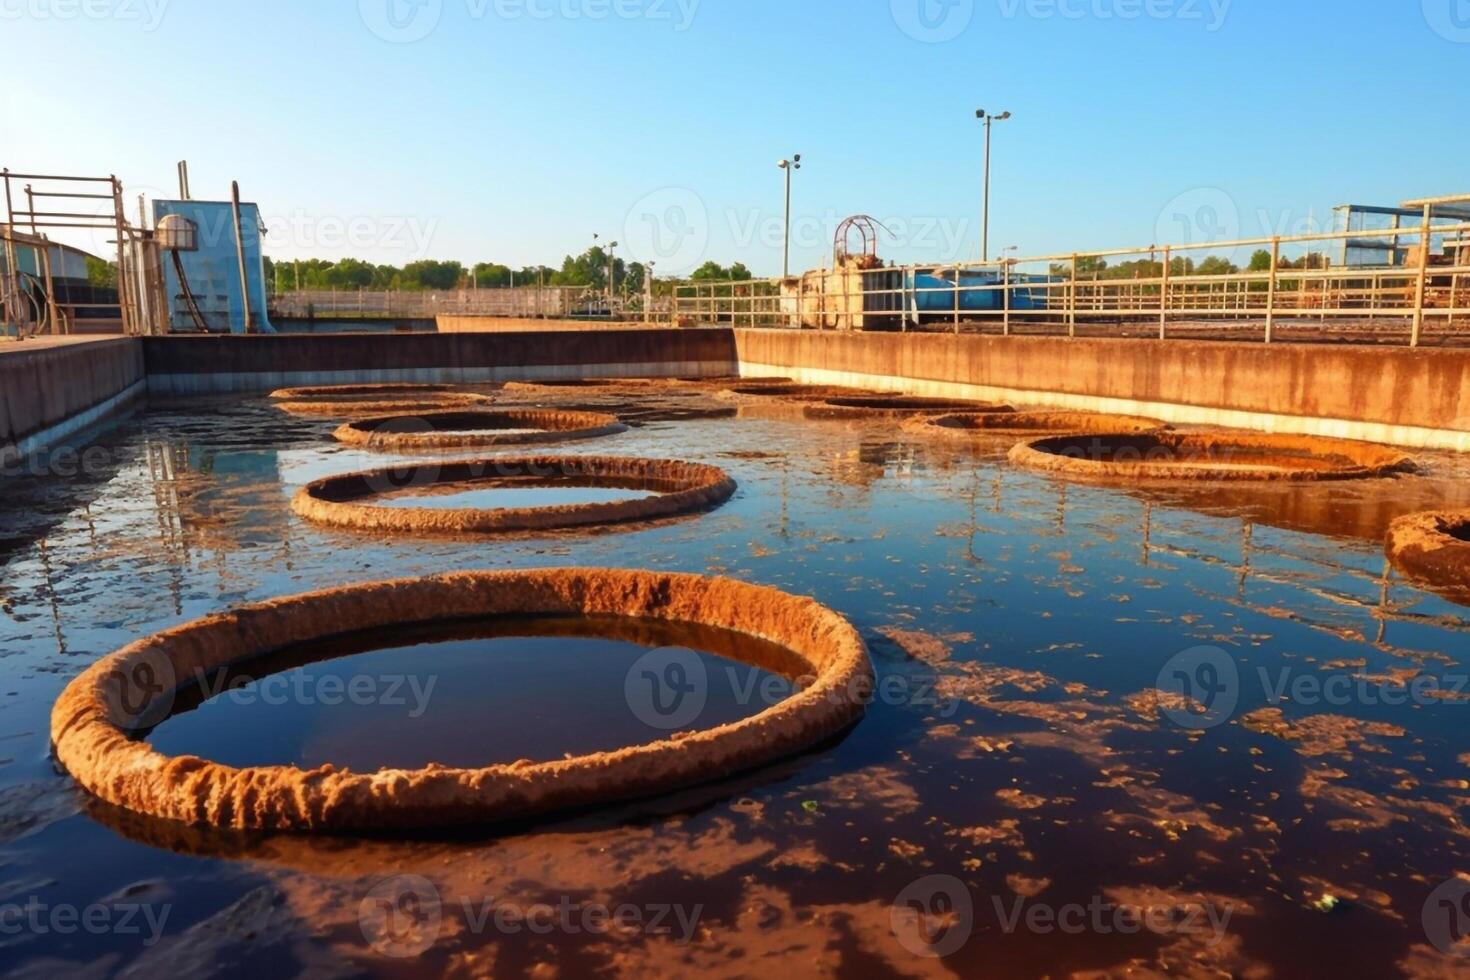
(1017, 626)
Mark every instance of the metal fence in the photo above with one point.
(1300, 287)
(530, 301)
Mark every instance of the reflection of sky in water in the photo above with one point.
(467, 495)
(452, 700)
(1053, 776)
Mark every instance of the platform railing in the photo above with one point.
(1296, 287)
(528, 301)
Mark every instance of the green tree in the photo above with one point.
(1215, 265)
(101, 273)
(429, 274)
(491, 275)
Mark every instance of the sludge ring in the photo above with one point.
(1207, 456)
(368, 392)
(677, 487)
(783, 390)
(1433, 548)
(970, 425)
(390, 405)
(879, 406)
(92, 719)
(464, 430)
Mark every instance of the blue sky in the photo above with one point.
(513, 130)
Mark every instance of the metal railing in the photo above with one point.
(528, 301)
(1298, 287)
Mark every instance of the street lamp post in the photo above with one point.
(789, 166)
(985, 213)
(610, 270)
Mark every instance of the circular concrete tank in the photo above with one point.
(973, 425)
(1434, 549)
(475, 429)
(879, 406)
(96, 721)
(1207, 456)
(362, 501)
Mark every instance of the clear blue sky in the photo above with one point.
(515, 129)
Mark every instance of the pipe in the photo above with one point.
(240, 253)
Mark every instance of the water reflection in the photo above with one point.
(1019, 623)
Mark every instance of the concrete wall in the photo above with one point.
(50, 389)
(213, 364)
(1380, 394)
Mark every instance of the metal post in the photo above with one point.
(985, 208)
(1164, 295)
(240, 254)
(957, 298)
(1005, 294)
(1271, 288)
(1072, 300)
(11, 293)
(1419, 288)
(786, 238)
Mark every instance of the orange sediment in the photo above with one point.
(95, 720)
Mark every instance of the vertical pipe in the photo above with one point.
(957, 298)
(1271, 288)
(1072, 300)
(1005, 293)
(11, 293)
(1419, 288)
(52, 313)
(1164, 295)
(144, 299)
(240, 254)
(127, 303)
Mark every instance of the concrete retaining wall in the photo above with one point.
(49, 390)
(1379, 394)
(52, 389)
(207, 365)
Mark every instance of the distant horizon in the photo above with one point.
(394, 131)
